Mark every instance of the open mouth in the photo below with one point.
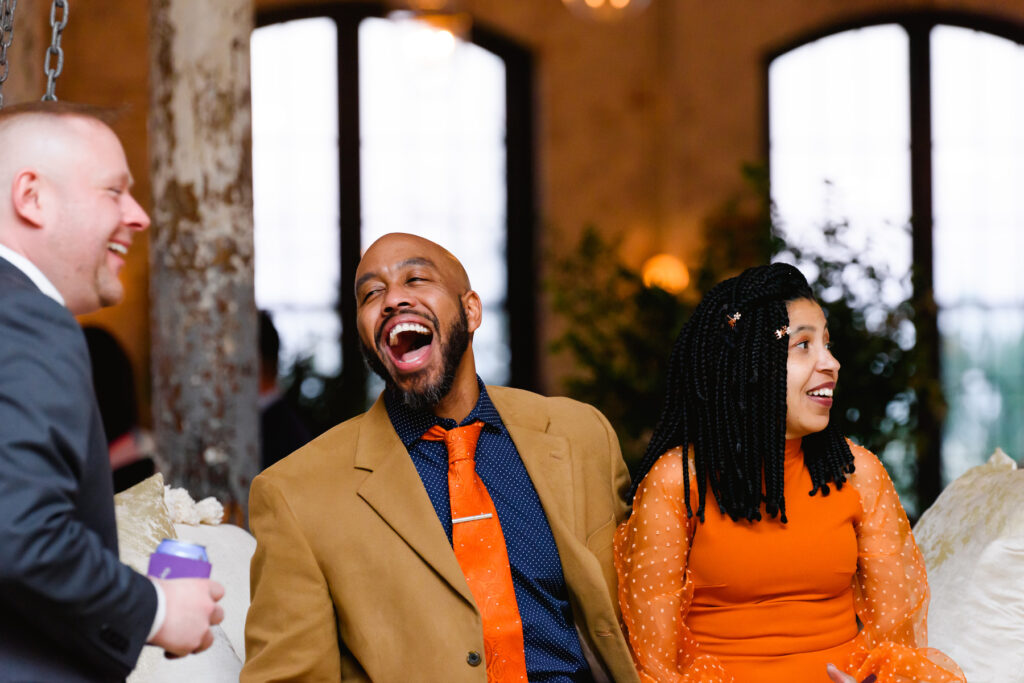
(119, 250)
(821, 395)
(409, 345)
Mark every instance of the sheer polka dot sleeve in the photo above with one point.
(651, 551)
(890, 587)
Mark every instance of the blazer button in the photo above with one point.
(474, 658)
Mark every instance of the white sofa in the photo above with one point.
(143, 521)
(972, 539)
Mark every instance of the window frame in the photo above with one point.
(918, 25)
(521, 212)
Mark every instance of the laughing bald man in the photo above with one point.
(355, 576)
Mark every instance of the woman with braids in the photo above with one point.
(799, 567)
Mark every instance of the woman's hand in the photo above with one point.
(838, 676)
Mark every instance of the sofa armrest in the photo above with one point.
(230, 549)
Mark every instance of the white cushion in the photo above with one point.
(219, 664)
(142, 521)
(992, 645)
(972, 540)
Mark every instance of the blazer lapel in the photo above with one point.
(549, 465)
(548, 458)
(394, 490)
(549, 461)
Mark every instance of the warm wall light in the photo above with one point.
(605, 10)
(667, 272)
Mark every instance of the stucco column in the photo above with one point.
(201, 247)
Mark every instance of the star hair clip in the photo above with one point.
(782, 332)
(733, 319)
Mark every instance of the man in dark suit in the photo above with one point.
(69, 610)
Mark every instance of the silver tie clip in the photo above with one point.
(471, 518)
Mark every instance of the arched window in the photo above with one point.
(364, 125)
(909, 128)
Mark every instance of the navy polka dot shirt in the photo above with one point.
(553, 650)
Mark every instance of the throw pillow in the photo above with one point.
(142, 521)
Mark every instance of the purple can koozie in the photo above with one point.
(179, 560)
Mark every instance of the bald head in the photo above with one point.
(49, 142)
(398, 247)
(47, 138)
(65, 201)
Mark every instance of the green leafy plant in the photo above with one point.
(618, 333)
(324, 399)
(875, 402)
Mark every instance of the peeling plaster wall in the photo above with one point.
(204, 322)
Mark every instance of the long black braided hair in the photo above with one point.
(726, 396)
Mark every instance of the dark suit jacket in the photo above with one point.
(354, 578)
(69, 610)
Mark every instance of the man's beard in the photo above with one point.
(425, 398)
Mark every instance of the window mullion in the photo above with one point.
(927, 385)
(350, 210)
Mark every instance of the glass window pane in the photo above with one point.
(978, 167)
(983, 379)
(432, 147)
(839, 128)
(295, 186)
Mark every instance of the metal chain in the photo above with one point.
(6, 38)
(54, 49)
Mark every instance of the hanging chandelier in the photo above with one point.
(441, 15)
(606, 10)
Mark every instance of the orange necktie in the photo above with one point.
(480, 550)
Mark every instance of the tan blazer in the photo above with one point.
(354, 578)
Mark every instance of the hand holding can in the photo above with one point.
(179, 560)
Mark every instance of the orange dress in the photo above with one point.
(767, 602)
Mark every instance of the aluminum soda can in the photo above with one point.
(174, 559)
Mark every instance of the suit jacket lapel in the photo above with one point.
(548, 460)
(549, 463)
(395, 491)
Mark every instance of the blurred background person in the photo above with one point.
(131, 447)
(282, 429)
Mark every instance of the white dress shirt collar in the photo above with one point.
(33, 273)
